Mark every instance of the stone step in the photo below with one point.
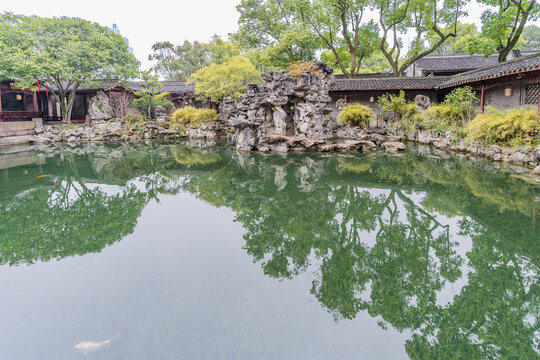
(14, 140)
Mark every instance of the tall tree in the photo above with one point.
(271, 28)
(341, 29)
(396, 17)
(178, 62)
(465, 35)
(531, 35)
(62, 54)
(503, 23)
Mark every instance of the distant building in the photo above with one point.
(126, 40)
(453, 64)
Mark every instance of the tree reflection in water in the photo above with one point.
(382, 232)
(376, 228)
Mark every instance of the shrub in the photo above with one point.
(193, 117)
(389, 103)
(461, 103)
(296, 69)
(511, 127)
(356, 114)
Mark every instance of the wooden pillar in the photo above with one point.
(34, 101)
(0, 100)
(482, 98)
(346, 98)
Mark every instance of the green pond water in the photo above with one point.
(192, 251)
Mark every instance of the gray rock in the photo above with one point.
(394, 147)
(99, 107)
(536, 170)
(422, 102)
(40, 139)
(283, 106)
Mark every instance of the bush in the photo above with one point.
(193, 117)
(511, 127)
(296, 69)
(356, 115)
(461, 103)
(389, 103)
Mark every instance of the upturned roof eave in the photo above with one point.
(488, 77)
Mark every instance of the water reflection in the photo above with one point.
(385, 234)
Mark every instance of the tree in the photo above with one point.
(150, 97)
(339, 26)
(61, 54)
(221, 51)
(167, 63)
(465, 35)
(177, 63)
(503, 24)
(398, 16)
(531, 35)
(271, 28)
(228, 79)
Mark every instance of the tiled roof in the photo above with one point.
(393, 83)
(170, 86)
(526, 63)
(455, 62)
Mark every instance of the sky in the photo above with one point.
(145, 23)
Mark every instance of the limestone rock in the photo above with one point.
(394, 147)
(100, 108)
(297, 108)
(422, 102)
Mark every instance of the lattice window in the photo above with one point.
(532, 94)
(487, 97)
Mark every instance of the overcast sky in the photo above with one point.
(157, 20)
(143, 22)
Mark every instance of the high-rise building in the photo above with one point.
(126, 40)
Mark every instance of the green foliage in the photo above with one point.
(511, 127)
(390, 103)
(150, 97)
(465, 35)
(62, 54)
(461, 102)
(298, 67)
(356, 115)
(228, 79)
(268, 28)
(502, 26)
(456, 110)
(178, 62)
(421, 18)
(189, 116)
(531, 36)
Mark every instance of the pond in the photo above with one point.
(192, 251)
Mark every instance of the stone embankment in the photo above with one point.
(117, 130)
(394, 142)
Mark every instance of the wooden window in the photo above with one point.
(532, 93)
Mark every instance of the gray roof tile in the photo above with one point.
(391, 83)
(525, 63)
